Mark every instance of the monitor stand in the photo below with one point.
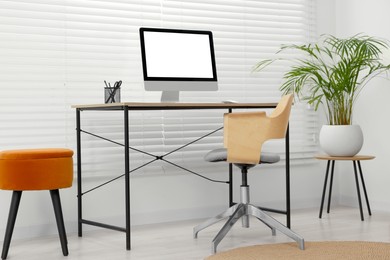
(170, 96)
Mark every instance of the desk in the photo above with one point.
(354, 159)
(125, 108)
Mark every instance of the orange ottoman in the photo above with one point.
(35, 169)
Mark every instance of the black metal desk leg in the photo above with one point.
(288, 204)
(330, 186)
(127, 176)
(231, 203)
(358, 190)
(324, 190)
(364, 188)
(79, 183)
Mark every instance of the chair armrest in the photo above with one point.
(244, 134)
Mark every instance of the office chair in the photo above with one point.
(244, 135)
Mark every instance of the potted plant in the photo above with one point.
(332, 73)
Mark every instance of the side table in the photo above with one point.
(355, 159)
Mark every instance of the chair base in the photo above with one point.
(244, 210)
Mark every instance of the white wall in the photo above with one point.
(371, 18)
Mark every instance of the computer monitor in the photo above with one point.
(177, 60)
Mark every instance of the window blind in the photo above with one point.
(56, 53)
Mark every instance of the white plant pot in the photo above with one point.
(341, 140)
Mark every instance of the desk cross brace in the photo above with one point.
(156, 158)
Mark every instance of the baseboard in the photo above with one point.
(143, 218)
(352, 201)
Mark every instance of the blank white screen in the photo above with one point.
(178, 55)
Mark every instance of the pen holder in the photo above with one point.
(112, 95)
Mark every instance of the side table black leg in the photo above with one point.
(330, 186)
(324, 190)
(358, 190)
(364, 188)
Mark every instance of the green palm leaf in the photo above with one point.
(333, 72)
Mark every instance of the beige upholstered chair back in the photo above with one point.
(280, 116)
(245, 132)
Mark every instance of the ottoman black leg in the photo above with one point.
(55, 197)
(13, 211)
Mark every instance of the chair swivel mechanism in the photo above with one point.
(244, 135)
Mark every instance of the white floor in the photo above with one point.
(173, 241)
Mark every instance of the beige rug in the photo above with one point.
(336, 250)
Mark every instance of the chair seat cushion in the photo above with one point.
(36, 169)
(220, 154)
